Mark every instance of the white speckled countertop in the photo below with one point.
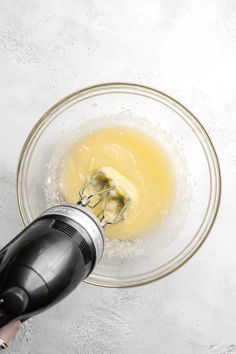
(186, 48)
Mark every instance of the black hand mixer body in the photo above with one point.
(47, 260)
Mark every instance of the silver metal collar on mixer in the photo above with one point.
(85, 219)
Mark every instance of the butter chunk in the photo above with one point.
(123, 188)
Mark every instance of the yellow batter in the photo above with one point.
(133, 155)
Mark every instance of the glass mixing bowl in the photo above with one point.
(198, 182)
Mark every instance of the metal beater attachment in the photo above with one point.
(102, 195)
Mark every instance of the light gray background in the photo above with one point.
(49, 49)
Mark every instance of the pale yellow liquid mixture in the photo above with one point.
(135, 156)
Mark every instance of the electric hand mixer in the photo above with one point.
(59, 249)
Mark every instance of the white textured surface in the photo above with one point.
(185, 48)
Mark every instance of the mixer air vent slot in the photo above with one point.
(67, 229)
(85, 250)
